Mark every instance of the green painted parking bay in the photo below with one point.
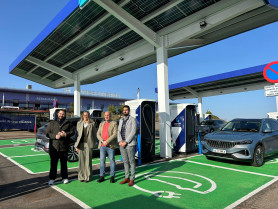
(195, 182)
(270, 166)
(21, 151)
(17, 141)
(175, 184)
(33, 161)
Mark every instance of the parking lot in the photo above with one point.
(184, 182)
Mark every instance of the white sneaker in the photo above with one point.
(65, 181)
(51, 182)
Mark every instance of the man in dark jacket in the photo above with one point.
(59, 132)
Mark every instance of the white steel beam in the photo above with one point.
(195, 93)
(76, 96)
(230, 90)
(113, 61)
(181, 39)
(36, 79)
(125, 31)
(133, 23)
(189, 43)
(200, 108)
(180, 35)
(163, 101)
(82, 33)
(50, 67)
(47, 75)
(213, 20)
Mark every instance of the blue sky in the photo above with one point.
(22, 21)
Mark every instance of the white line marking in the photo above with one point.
(27, 156)
(22, 167)
(71, 197)
(241, 200)
(29, 171)
(16, 145)
(232, 169)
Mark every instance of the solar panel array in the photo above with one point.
(63, 50)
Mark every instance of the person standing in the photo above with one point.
(59, 132)
(86, 141)
(128, 140)
(107, 136)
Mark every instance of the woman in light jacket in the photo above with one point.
(86, 141)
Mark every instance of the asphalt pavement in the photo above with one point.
(21, 190)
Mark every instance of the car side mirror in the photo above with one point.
(267, 130)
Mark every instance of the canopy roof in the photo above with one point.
(107, 38)
(247, 79)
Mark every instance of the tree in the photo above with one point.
(112, 108)
(120, 109)
(209, 112)
(71, 109)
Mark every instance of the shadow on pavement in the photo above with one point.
(132, 203)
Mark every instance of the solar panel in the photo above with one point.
(141, 8)
(26, 66)
(40, 71)
(80, 19)
(54, 77)
(105, 38)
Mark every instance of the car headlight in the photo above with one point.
(249, 141)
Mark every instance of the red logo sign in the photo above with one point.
(271, 72)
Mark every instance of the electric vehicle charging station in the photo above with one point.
(183, 123)
(54, 112)
(144, 112)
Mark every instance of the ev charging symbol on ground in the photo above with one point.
(273, 160)
(176, 182)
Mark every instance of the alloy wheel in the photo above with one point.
(72, 154)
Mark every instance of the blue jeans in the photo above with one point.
(111, 155)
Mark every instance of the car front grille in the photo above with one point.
(221, 144)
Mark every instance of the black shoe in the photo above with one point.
(112, 179)
(101, 179)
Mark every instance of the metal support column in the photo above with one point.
(276, 103)
(77, 96)
(163, 101)
(200, 108)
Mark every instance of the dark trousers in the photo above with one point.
(54, 157)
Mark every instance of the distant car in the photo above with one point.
(42, 141)
(208, 126)
(243, 139)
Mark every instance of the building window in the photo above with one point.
(15, 103)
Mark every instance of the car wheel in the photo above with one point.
(72, 154)
(211, 130)
(258, 156)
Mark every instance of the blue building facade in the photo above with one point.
(43, 100)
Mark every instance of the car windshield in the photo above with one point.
(207, 122)
(242, 126)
